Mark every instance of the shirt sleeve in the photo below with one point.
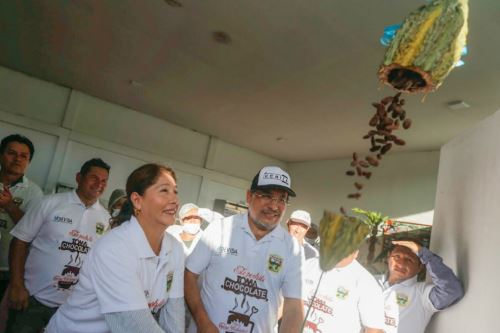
(371, 304)
(30, 224)
(293, 286)
(177, 289)
(446, 289)
(115, 278)
(202, 253)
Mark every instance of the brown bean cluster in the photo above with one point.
(389, 117)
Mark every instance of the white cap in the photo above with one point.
(301, 216)
(185, 209)
(272, 177)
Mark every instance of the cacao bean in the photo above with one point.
(407, 123)
(342, 210)
(385, 148)
(363, 164)
(402, 116)
(350, 173)
(359, 171)
(367, 174)
(373, 161)
(374, 148)
(374, 121)
(354, 163)
(354, 196)
(359, 186)
(380, 141)
(354, 156)
(386, 100)
(399, 142)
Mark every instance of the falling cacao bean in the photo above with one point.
(354, 163)
(379, 156)
(374, 148)
(382, 132)
(359, 186)
(342, 210)
(388, 121)
(374, 121)
(363, 164)
(399, 142)
(354, 196)
(350, 173)
(367, 174)
(407, 123)
(402, 116)
(373, 161)
(385, 148)
(359, 171)
(380, 141)
(386, 100)
(354, 156)
(402, 101)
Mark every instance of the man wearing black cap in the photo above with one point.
(249, 261)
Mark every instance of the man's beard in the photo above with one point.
(264, 226)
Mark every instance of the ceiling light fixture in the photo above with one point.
(458, 105)
(173, 3)
(221, 37)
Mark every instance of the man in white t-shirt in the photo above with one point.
(248, 260)
(17, 194)
(188, 233)
(49, 246)
(298, 224)
(409, 305)
(348, 299)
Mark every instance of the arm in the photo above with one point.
(447, 288)
(132, 321)
(18, 294)
(293, 315)
(7, 203)
(193, 300)
(372, 330)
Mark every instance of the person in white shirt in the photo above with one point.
(348, 299)
(409, 304)
(298, 224)
(115, 203)
(49, 246)
(17, 194)
(134, 275)
(249, 262)
(189, 231)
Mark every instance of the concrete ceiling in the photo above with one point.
(304, 71)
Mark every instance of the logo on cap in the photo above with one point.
(276, 176)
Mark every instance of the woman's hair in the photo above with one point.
(139, 181)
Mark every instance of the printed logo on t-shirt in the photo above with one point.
(62, 219)
(246, 285)
(402, 299)
(223, 250)
(170, 279)
(390, 321)
(312, 323)
(17, 201)
(274, 263)
(99, 228)
(342, 293)
(319, 308)
(78, 248)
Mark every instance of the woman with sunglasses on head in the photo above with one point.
(132, 280)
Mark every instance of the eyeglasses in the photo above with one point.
(268, 198)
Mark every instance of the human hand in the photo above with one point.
(18, 297)
(5, 198)
(414, 247)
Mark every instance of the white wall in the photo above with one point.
(402, 186)
(69, 127)
(466, 229)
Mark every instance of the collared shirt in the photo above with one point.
(310, 251)
(24, 194)
(245, 276)
(408, 308)
(347, 300)
(176, 231)
(122, 273)
(61, 230)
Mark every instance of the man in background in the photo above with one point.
(49, 246)
(298, 224)
(409, 305)
(17, 194)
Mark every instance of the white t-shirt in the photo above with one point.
(408, 308)
(244, 276)
(176, 231)
(61, 231)
(122, 273)
(348, 299)
(24, 194)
